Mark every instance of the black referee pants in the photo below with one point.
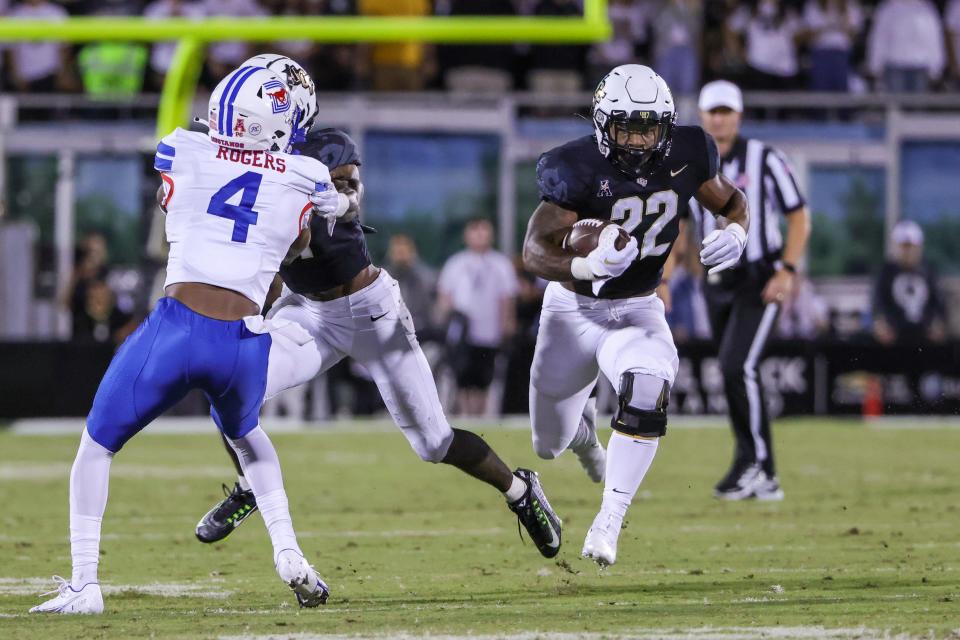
(742, 325)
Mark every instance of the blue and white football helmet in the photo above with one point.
(300, 85)
(252, 109)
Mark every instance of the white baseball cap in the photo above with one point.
(907, 232)
(720, 93)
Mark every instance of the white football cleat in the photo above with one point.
(601, 542)
(88, 599)
(767, 488)
(307, 585)
(592, 456)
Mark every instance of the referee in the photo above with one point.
(743, 302)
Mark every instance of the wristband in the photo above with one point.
(580, 269)
(789, 267)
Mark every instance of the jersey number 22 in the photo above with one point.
(629, 213)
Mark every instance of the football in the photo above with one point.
(585, 234)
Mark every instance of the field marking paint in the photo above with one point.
(36, 586)
(702, 633)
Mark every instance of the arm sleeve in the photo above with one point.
(166, 152)
(710, 162)
(784, 184)
(306, 174)
(559, 182)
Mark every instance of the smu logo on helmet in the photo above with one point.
(278, 95)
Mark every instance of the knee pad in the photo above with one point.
(544, 449)
(429, 446)
(642, 402)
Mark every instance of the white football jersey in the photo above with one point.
(231, 214)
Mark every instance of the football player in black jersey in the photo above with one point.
(600, 312)
(335, 303)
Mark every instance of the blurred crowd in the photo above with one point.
(822, 45)
(478, 317)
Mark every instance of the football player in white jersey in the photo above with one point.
(237, 206)
(348, 306)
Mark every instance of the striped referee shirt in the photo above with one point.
(764, 175)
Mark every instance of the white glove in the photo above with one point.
(606, 261)
(328, 201)
(722, 248)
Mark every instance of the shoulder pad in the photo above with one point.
(560, 181)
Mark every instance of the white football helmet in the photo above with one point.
(251, 108)
(633, 103)
(300, 85)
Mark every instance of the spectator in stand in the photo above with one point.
(224, 56)
(90, 266)
(905, 48)
(303, 51)
(100, 319)
(723, 51)
(333, 67)
(477, 68)
(112, 70)
(768, 30)
(162, 54)
(628, 44)
(417, 282)
(831, 29)
(399, 66)
(478, 285)
(952, 21)
(39, 66)
(676, 31)
(556, 68)
(907, 306)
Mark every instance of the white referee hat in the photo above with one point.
(720, 93)
(907, 232)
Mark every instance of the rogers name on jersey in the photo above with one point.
(260, 159)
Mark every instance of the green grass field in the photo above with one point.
(865, 545)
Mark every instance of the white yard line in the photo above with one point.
(701, 633)
(205, 589)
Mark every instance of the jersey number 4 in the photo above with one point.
(630, 212)
(242, 214)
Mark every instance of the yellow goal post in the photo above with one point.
(193, 35)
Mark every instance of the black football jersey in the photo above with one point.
(577, 177)
(334, 259)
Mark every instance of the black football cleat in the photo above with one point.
(536, 515)
(226, 516)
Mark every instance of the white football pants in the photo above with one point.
(374, 327)
(580, 336)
